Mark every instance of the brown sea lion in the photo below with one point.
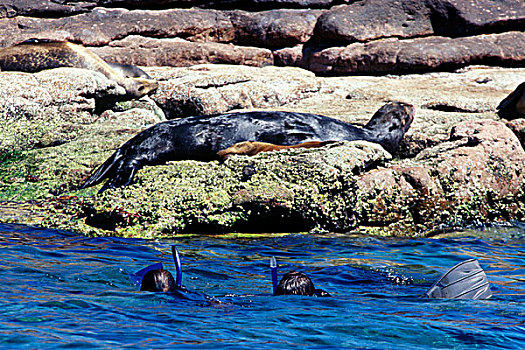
(216, 137)
(35, 55)
(513, 106)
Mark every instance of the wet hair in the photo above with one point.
(296, 283)
(158, 281)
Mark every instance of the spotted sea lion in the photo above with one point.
(207, 138)
(513, 106)
(35, 55)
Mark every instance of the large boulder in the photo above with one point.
(373, 19)
(208, 90)
(276, 28)
(249, 5)
(461, 180)
(43, 8)
(364, 21)
(102, 25)
(410, 55)
(178, 52)
(463, 17)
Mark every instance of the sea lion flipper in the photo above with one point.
(251, 148)
(108, 168)
(123, 177)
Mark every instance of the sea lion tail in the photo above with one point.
(390, 123)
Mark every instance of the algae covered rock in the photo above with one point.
(302, 189)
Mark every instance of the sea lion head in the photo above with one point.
(139, 87)
(390, 123)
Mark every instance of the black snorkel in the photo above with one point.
(273, 267)
(178, 266)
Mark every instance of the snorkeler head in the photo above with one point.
(158, 281)
(296, 283)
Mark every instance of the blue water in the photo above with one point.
(60, 290)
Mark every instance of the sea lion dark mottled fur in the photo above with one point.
(35, 55)
(208, 138)
(513, 106)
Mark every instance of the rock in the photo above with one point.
(463, 17)
(13, 8)
(462, 180)
(210, 90)
(177, 52)
(364, 21)
(62, 8)
(518, 127)
(373, 19)
(416, 55)
(291, 190)
(396, 36)
(249, 5)
(261, 5)
(481, 155)
(276, 28)
(291, 56)
(102, 26)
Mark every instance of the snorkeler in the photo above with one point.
(294, 283)
(465, 280)
(155, 279)
(297, 283)
(158, 281)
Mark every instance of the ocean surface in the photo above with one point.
(61, 290)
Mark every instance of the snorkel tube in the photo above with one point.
(273, 267)
(178, 266)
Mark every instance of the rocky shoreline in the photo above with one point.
(325, 37)
(459, 164)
